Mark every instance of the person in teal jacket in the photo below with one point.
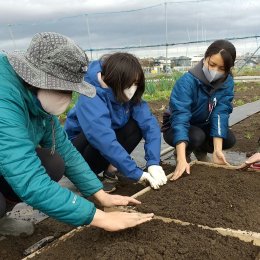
(35, 152)
(107, 128)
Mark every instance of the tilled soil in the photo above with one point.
(247, 133)
(13, 247)
(209, 196)
(154, 240)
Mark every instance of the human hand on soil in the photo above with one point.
(115, 221)
(158, 174)
(109, 200)
(218, 157)
(181, 167)
(253, 159)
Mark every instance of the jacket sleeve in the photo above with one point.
(220, 115)
(94, 119)
(150, 131)
(180, 106)
(22, 169)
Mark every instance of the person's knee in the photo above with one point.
(230, 141)
(2, 205)
(197, 138)
(53, 163)
(168, 137)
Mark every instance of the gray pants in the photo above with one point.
(54, 166)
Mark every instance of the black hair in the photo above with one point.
(30, 87)
(120, 71)
(227, 51)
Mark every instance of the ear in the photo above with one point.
(100, 80)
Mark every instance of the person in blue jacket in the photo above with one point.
(106, 129)
(35, 152)
(199, 109)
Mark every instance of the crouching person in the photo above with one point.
(35, 152)
(107, 128)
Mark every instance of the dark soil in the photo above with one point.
(209, 196)
(247, 133)
(13, 247)
(154, 240)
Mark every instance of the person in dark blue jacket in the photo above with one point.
(199, 108)
(107, 128)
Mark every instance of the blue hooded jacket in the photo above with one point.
(194, 101)
(98, 117)
(24, 125)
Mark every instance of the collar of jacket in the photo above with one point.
(197, 72)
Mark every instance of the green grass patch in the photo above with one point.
(159, 87)
(247, 71)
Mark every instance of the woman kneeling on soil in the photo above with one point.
(199, 108)
(34, 149)
(106, 129)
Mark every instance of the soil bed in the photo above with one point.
(13, 247)
(247, 133)
(209, 196)
(154, 240)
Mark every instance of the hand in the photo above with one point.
(253, 159)
(146, 177)
(115, 221)
(181, 167)
(218, 157)
(158, 174)
(109, 200)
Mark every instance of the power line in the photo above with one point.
(169, 44)
(249, 58)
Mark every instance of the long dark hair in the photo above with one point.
(227, 51)
(120, 71)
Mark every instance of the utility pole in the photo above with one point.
(166, 33)
(11, 35)
(88, 33)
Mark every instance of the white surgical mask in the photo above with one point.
(53, 101)
(212, 75)
(129, 92)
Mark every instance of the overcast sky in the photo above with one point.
(105, 26)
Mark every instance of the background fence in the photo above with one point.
(169, 29)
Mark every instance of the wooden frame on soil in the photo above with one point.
(246, 236)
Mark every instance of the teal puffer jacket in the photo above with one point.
(23, 127)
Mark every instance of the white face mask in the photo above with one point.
(53, 101)
(129, 92)
(212, 75)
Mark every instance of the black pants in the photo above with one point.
(128, 136)
(200, 139)
(54, 166)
